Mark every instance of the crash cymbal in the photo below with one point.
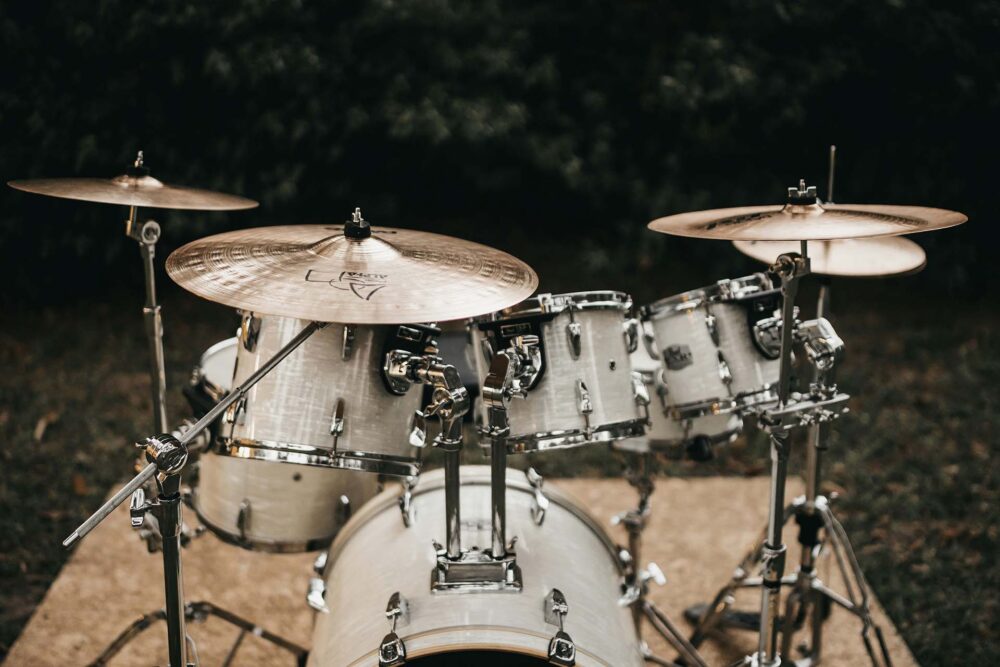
(351, 273)
(805, 218)
(859, 258)
(134, 188)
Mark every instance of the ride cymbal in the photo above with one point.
(804, 218)
(351, 273)
(134, 188)
(859, 258)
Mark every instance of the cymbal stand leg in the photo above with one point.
(146, 235)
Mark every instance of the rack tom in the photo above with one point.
(719, 346)
(328, 403)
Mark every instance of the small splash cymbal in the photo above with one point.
(351, 273)
(859, 258)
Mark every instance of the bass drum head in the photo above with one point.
(478, 658)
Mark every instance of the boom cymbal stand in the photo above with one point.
(167, 456)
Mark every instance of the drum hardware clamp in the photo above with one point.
(167, 456)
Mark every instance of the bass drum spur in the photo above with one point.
(262, 506)
(377, 561)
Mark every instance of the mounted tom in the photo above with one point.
(719, 346)
(331, 403)
(575, 375)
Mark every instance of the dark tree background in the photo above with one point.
(554, 130)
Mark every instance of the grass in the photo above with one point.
(914, 461)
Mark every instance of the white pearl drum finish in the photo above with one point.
(710, 362)
(600, 375)
(376, 555)
(318, 407)
(664, 433)
(263, 506)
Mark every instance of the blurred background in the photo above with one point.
(553, 131)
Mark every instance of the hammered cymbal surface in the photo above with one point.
(858, 258)
(806, 222)
(314, 272)
(141, 191)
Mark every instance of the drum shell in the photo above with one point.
(551, 409)
(698, 381)
(286, 508)
(289, 414)
(569, 551)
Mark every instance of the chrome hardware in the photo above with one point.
(512, 373)
(632, 334)
(641, 394)
(316, 595)
(392, 651)
(396, 371)
(540, 503)
(649, 342)
(712, 324)
(137, 508)
(766, 334)
(406, 501)
(802, 194)
(249, 331)
(562, 650)
(243, 519)
(823, 346)
(337, 424)
(584, 403)
(677, 357)
(418, 430)
(574, 331)
(319, 565)
(475, 570)
(348, 345)
(725, 374)
(237, 412)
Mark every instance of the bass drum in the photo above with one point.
(263, 506)
(377, 555)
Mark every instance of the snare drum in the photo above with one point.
(377, 555)
(327, 404)
(262, 506)
(719, 346)
(664, 434)
(584, 391)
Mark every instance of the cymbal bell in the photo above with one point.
(351, 273)
(134, 188)
(804, 218)
(858, 258)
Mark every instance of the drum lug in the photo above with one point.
(347, 348)
(713, 326)
(337, 425)
(249, 332)
(540, 503)
(406, 508)
(725, 374)
(316, 595)
(574, 332)
(562, 650)
(392, 650)
(418, 429)
(584, 403)
(641, 394)
(243, 519)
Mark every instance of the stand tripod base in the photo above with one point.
(199, 611)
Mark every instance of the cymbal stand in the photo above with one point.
(638, 474)
(167, 457)
(146, 235)
(809, 596)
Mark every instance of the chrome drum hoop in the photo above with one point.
(280, 452)
(540, 442)
(715, 406)
(730, 289)
(554, 304)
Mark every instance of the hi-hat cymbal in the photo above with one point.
(351, 273)
(859, 258)
(134, 188)
(805, 218)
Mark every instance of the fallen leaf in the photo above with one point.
(80, 487)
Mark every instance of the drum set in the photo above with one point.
(308, 433)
